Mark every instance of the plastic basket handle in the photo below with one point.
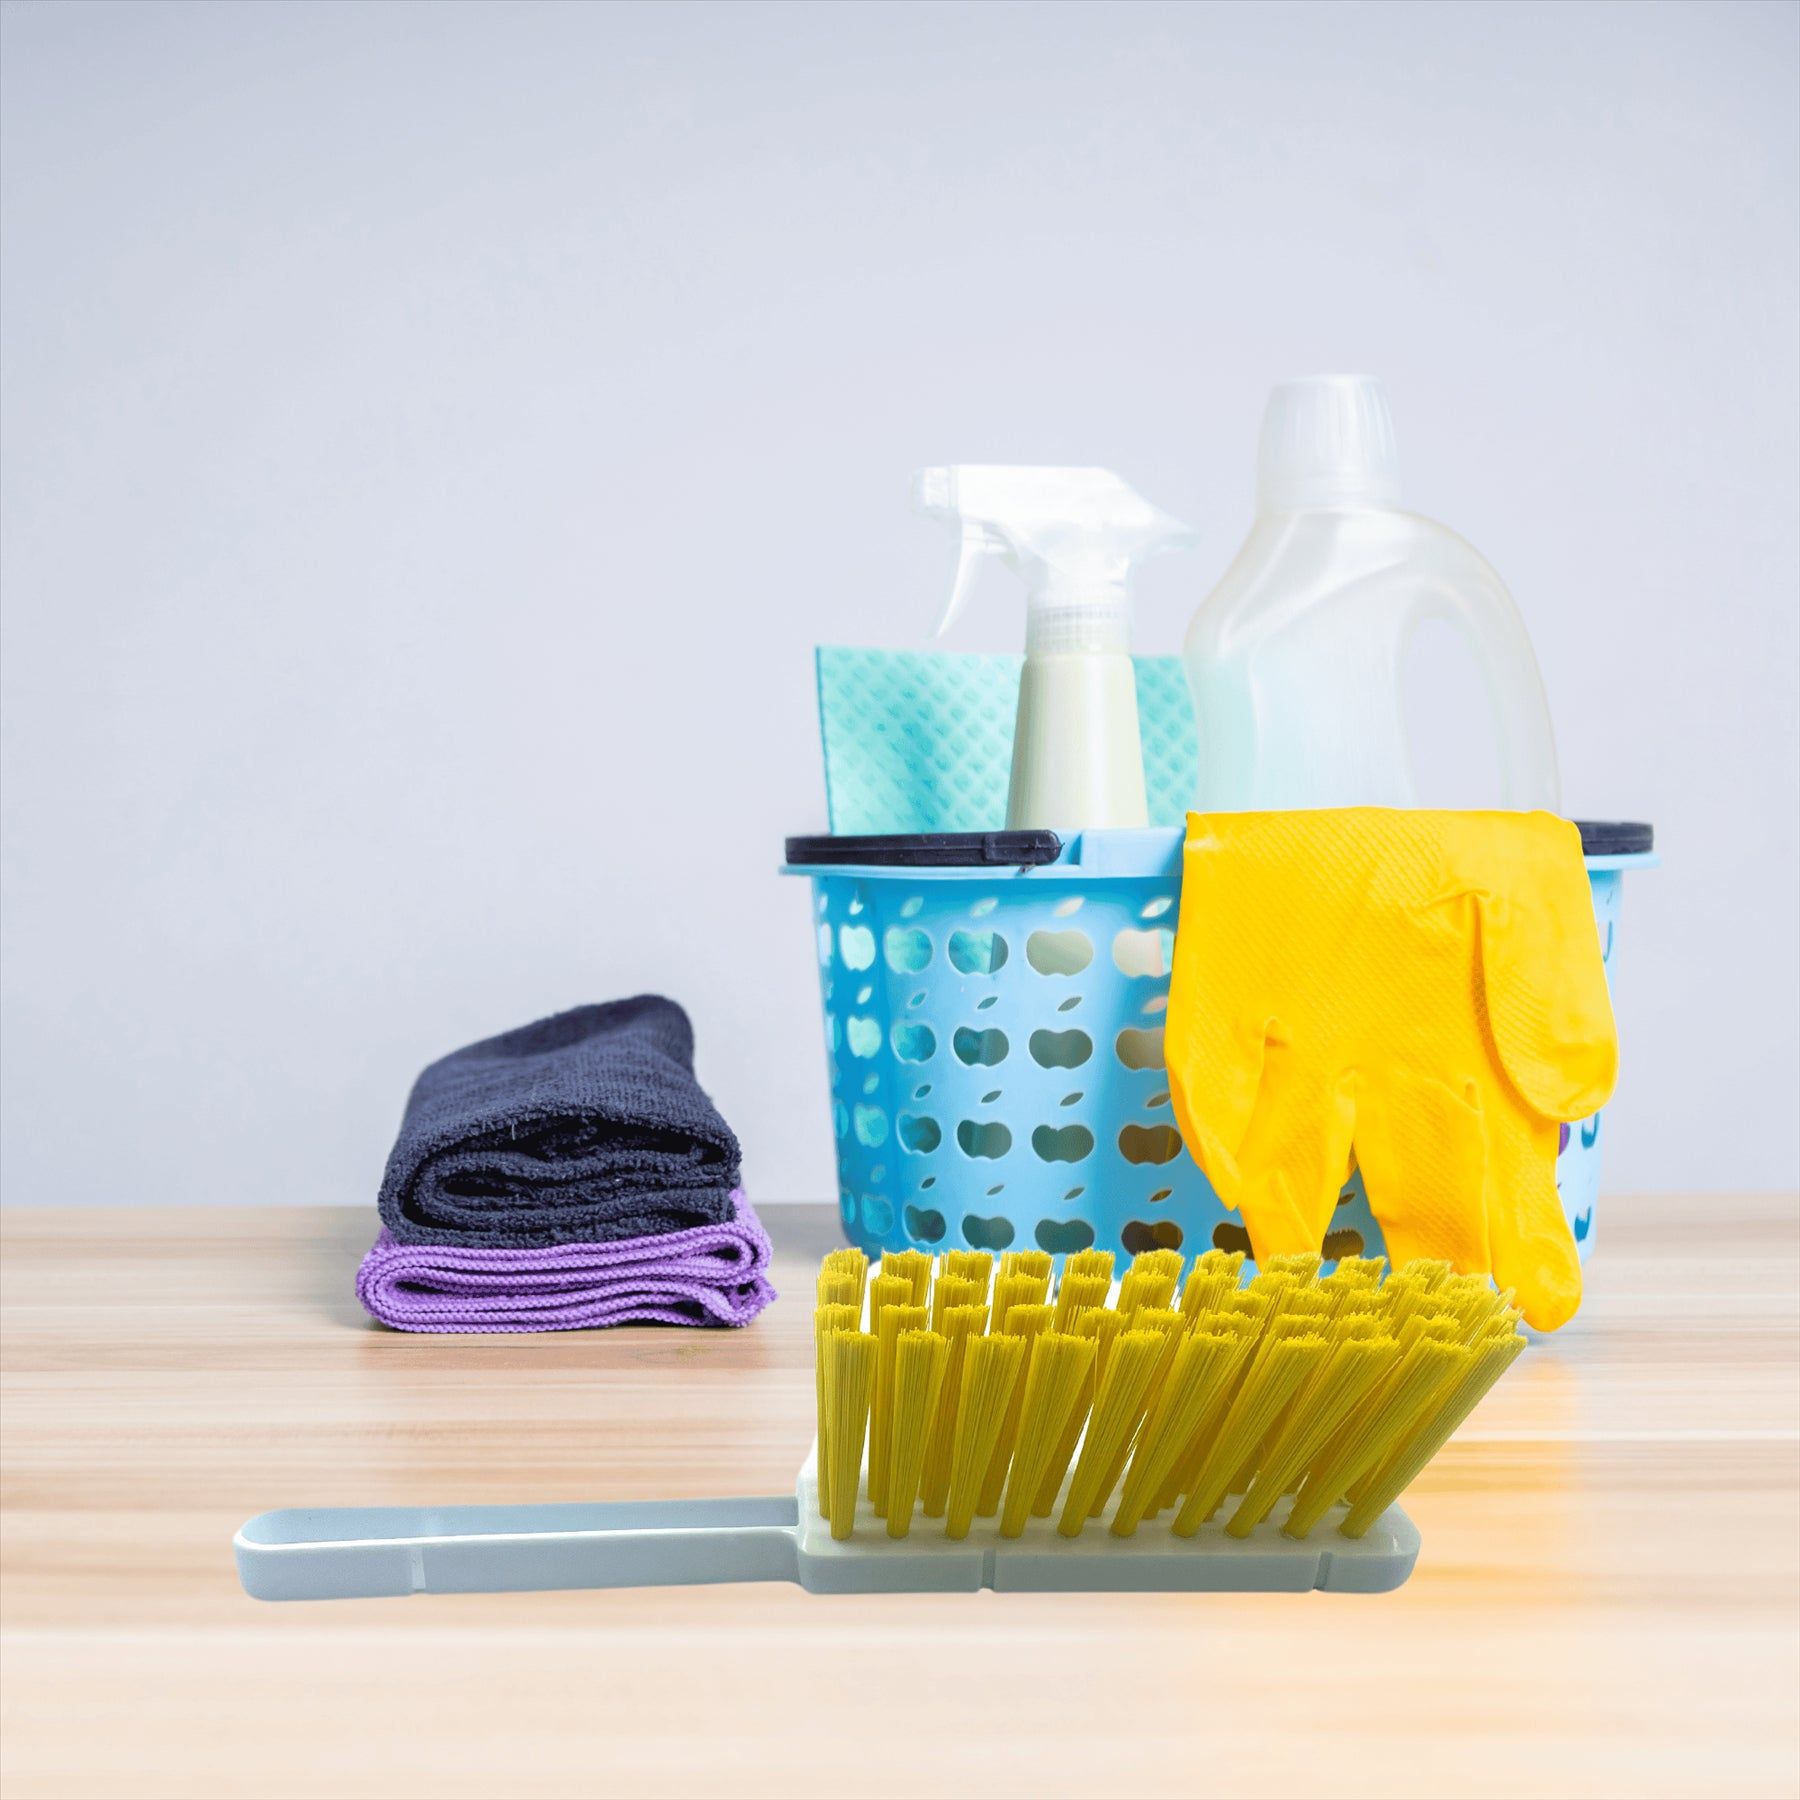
(928, 850)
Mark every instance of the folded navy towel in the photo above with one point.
(586, 1127)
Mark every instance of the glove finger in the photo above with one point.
(1424, 1155)
(1533, 1248)
(1230, 961)
(1214, 1086)
(1294, 1154)
(1543, 980)
(1215, 1064)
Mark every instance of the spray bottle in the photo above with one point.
(1073, 536)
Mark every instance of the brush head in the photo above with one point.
(868, 1560)
(1051, 1430)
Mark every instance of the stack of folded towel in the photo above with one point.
(567, 1174)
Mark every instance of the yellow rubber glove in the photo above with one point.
(1420, 993)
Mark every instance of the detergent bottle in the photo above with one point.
(1297, 658)
(1073, 536)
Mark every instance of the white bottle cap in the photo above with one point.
(1327, 440)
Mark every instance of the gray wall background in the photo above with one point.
(436, 435)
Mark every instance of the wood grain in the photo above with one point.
(1608, 1601)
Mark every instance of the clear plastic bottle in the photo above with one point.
(1297, 658)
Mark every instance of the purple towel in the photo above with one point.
(705, 1275)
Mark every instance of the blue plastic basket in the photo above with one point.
(994, 1038)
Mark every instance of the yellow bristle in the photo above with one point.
(1311, 1318)
(1297, 1312)
(847, 1262)
(1270, 1287)
(1429, 1337)
(1389, 1416)
(971, 1265)
(1158, 1318)
(1016, 1290)
(1303, 1303)
(919, 1361)
(1248, 1302)
(1221, 1262)
(1404, 1461)
(1159, 1262)
(1470, 1299)
(991, 1368)
(894, 1320)
(1116, 1407)
(1437, 1367)
(1431, 1309)
(1050, 1483)
(1284, 1295)
(1299, 1309)
(1303, 1265)
(1366, 1269)
(1243, 1330)
(1409, 1288)
(849, 1358)
(1172, 1328)
(962, 1325)
(1027, 1322)
(1281, 1363)
(914, 1268)
(1350, 1297)
(1202, 1359)
(954, 1290)
(1055, 1381)
(1103, 1326)
(1460, 1286)
(1079, 1294)
(827, 1319)
(1293, 1310)
(1089, 1262)
(1423, 1321)
(886, 1291)
(1337, 1390)
(1035, 1263)
(1443, 1328)
(1340, 1383)
(839, 1289)
(1141, 1288)
(1204, 1291)
(1401, 1296)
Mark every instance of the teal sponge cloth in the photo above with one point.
(916, 740)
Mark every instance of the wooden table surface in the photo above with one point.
(1607, 1603)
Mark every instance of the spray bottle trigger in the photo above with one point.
(976, 543)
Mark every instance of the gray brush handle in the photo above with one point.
(342, 1553)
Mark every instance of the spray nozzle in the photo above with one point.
(1071, 534)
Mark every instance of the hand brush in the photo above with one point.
(1020, 1443)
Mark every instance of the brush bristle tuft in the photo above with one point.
(973, 1391)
